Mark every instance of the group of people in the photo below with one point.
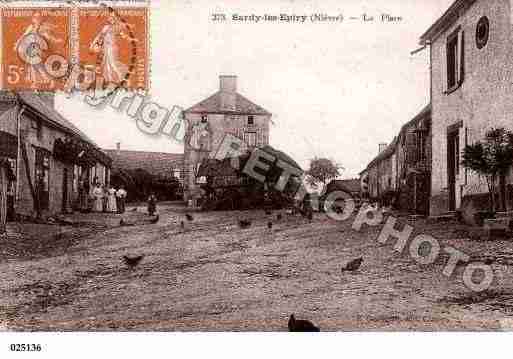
(108, 199)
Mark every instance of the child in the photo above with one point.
(152, 204)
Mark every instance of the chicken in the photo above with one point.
(134, 209)
(155, 220)
(353, 265)
(270, 225)
(189, 217)
(244, 223)
(489, 261)
(124, 223)
(132, 262)
(298, 325)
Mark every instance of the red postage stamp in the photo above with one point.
(114, 43)
(30, 36)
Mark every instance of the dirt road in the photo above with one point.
(215, 276)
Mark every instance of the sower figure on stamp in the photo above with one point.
(106, 45)
(35, 42)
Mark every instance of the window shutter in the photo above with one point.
(411, 148)
(461, 57)
(443, 68)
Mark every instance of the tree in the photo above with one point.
(322, 170)
(491, 158)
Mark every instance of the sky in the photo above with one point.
(335, 90)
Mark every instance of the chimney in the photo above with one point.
(118, 146)
(228, 89)
(382, 147)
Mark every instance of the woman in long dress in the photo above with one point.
(106, 45)
(111, 200)
(98, 198)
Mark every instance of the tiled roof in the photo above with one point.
(426, 111)
(157, 163)
(389, 151)
(386, 153)
(51, 115)
(243, 106)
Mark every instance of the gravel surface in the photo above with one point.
(214, 276)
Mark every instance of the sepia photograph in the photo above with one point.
(195, 168)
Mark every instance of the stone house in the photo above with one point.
(381, 173)
(414, 164)
(49, 155)
(471, 49)
(225, 112)
(400, 173)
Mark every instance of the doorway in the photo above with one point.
(453, 161)
(65, 190)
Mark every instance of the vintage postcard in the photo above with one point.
(274, 166)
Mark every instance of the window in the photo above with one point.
(421, 146)
(251, 120)
(100, 173)
(38, 126)
(455, 60)
(42, 177)
(77, 175)
(250, 138)
(482, 32)
(457, 154)
(11, 189)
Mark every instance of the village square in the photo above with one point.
(234, 232)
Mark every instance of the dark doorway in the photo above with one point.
(65, 190)
(42, 178)
(453, 160)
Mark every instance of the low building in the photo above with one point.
(163, 165)
(381, 173)
(52, 159)
(401, 172)
(142, 173)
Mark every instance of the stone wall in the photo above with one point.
(481, 102)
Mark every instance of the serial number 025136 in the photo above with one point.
(25, 347)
